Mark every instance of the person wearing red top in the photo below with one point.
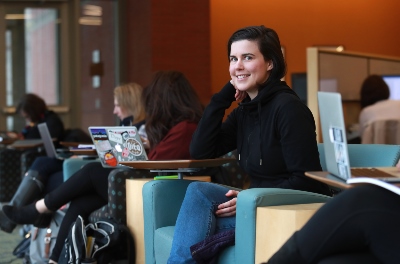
(173, 110)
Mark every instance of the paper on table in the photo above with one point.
(391, 186)
(85, 146)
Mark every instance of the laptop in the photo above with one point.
(335, 141)
(49, 145)
(116, 144)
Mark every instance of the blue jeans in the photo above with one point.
(197, 221)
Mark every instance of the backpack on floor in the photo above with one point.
(97, 241)
(43, 239)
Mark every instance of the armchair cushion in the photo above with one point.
(162, 201)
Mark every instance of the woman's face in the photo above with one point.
(247, 67)
(119, 111)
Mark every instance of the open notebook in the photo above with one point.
(335, 142)
(117, 144)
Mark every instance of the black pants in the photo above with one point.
(86, 190)
(50, 172)
(364, 218)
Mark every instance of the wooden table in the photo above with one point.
(326, 177)
(176, 166)
(25, 144)
(275, 224)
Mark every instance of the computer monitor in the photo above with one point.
(393, 81)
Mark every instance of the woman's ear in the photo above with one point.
(270, 65)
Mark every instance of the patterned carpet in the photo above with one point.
(7, 244)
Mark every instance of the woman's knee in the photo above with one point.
(210, 191)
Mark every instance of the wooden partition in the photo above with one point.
(343, 72)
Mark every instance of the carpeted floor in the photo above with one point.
(7, 244)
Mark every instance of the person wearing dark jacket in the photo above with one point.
(272, 130)
(34, 110)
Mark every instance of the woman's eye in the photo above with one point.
(232, 59)
(248, 58)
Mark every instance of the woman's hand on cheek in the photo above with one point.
(228, 208)
(239, 95)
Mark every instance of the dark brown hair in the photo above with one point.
(169, 99)
(33, 106)
(373, 89)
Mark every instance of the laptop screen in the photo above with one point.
(47, 140)
(116, 144)
(334, 134)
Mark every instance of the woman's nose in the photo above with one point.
(239, 64)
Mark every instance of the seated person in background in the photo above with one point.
(362, 219)
(173, 110)
(46, 173)
(34, 110)
(272, 130)
(375, 102)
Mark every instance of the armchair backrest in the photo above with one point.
(367, 155)
(386, 131)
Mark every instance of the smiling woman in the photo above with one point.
(272, 130)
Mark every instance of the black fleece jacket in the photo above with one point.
(274, 135)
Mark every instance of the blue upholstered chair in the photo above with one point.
(162, 201)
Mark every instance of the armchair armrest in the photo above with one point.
(247, 203)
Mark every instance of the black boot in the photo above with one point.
(27, 215)
(287, 254)
(28, 191)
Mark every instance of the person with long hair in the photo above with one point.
(272, 130)
(169, 132)
(46, 174)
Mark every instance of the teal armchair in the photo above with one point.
(161, 204)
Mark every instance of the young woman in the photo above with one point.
(272, 130)
(172, 113)
(46, 173)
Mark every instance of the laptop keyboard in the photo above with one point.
(369, 172)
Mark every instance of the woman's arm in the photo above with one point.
(296, 128)
(213, 137)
